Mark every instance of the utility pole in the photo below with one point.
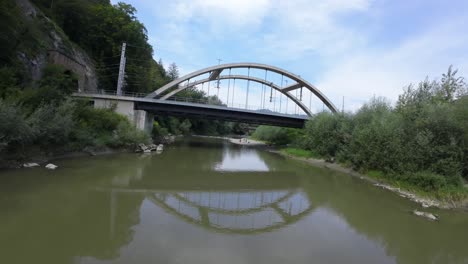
(121, 70)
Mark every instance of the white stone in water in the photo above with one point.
(160, 147)
(425, 215)
(51, 166)
(30, 165)
(147, 151)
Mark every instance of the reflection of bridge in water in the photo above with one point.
(232, 202)
(242, 212)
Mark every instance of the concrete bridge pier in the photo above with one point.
(142, 119)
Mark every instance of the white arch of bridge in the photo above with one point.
(215, 74)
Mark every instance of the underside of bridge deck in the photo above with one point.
(220, 113)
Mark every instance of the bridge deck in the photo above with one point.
(220, 112)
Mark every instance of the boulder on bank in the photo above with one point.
(426, 215)
(160, 148)
(141, 148)
(51, 166)
(30, 165)
(152, 147)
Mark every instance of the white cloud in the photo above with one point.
(311, 26)
(281, 28)
(385, 72)
(234, 13)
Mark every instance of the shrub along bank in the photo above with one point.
(421, 143)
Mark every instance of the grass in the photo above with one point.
(302, 153)
(451, 194)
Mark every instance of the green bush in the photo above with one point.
(52, 125)
(427, 181)
(185, 126)
(326, 134)
(127, 135)
(104, 127)
(14, 127)
(159, 131)
(277, 135)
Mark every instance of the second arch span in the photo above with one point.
(215, 74)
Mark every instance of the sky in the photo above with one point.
(351, 50)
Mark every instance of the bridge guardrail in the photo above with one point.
(187, 100)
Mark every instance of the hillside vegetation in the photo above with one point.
(37, 115)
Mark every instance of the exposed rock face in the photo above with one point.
(55, 49)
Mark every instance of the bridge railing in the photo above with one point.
(205, 101)
(215, 102)
(113, 92)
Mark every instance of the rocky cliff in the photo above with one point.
(43, 42)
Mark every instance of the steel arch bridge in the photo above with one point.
(214, 74)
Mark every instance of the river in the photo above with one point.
(208, 201)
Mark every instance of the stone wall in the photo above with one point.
(57, 57)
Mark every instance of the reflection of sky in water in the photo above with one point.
(245, 160)
(295, 204)
(233, 200)
(255, 220)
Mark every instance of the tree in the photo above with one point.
(451, 86)
(173, 72)
(185, 126)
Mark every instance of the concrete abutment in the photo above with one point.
(142, 119)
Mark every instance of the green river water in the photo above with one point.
(207, 201)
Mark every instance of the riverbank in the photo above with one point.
(425, 200)
(246, 142)
(242, 141)
(43, 159)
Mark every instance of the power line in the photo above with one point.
(138, 47)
